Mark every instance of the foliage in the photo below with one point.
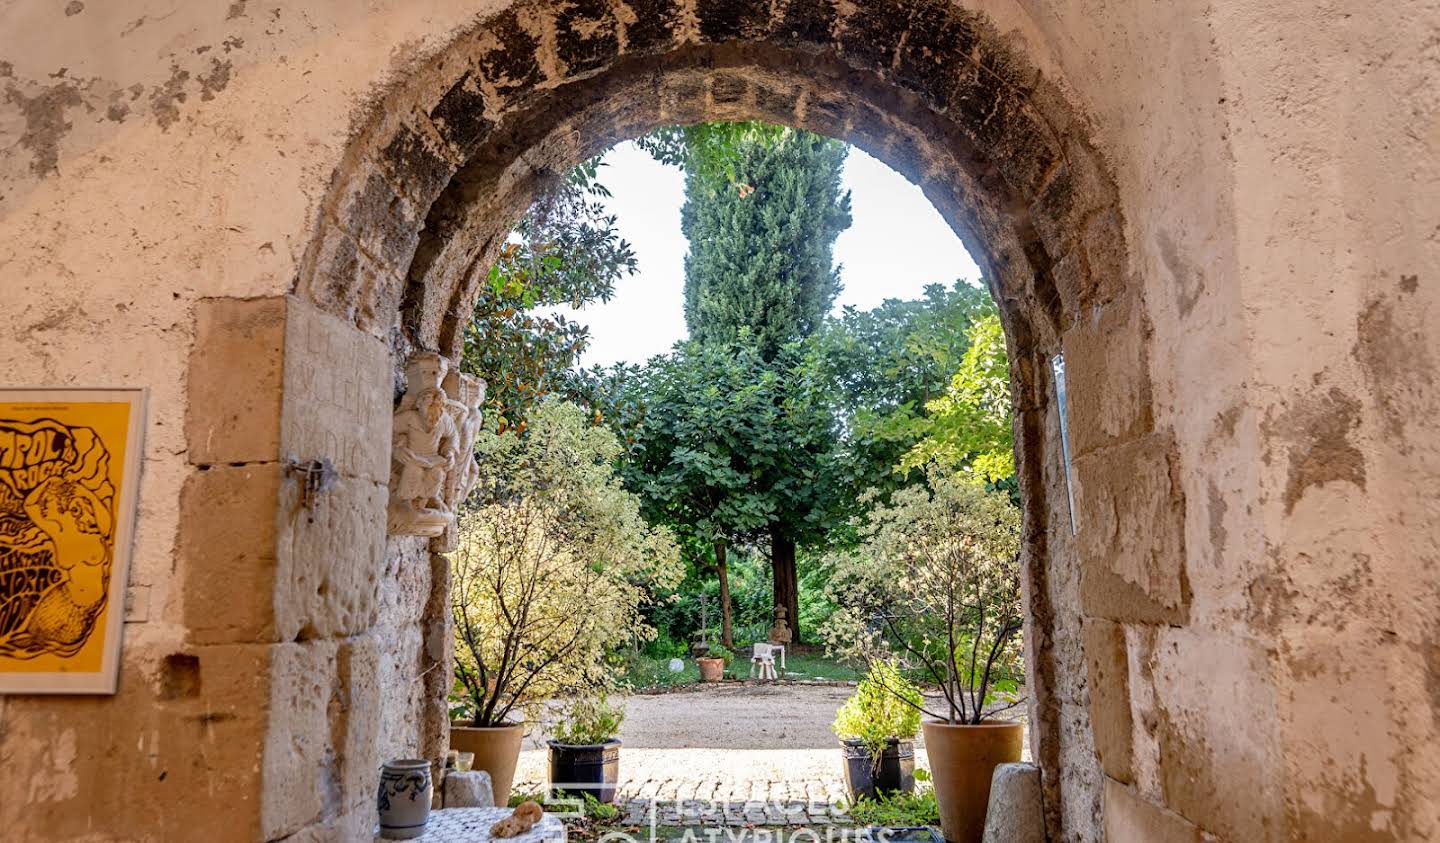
(899, 809)
(646, 672)
(600, 812)
(885, 705)
(761, 255)
(589, 719)
(564, 251)
(550, 528)
(936, 581)
(970, 426)
(883, 366)
(720, 444)
(708, 151)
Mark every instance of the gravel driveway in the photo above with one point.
(724, 742)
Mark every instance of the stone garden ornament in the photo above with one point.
(432, 451)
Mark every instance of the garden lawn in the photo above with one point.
(649, 673)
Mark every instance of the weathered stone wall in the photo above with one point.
(1219, 214)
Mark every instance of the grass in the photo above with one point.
(644, 672)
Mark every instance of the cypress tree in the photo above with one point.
(761, 270)
(762, 242)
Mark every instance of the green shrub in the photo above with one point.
(898, 809)
(590, 720)
(885, 705)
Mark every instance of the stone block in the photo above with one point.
(1131, 534)
(511, 66)
(1105, 254)
(726, 20)
(235, 381)
(297, 765)
(418, 161)
(654, 25)
(1131, 819)
(1108, 673)
(1107, 377)
(226, 552)
(339, 387)
(356, 718)
(585, 36)
(1073, 192)
(330, 554)
(469, 790)
(1016, 813)
(460, 118)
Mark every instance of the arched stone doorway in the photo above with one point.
(1239, 639)
(454, 154)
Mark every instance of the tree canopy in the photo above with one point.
(565, 251)
(969, 427)
(761, 249)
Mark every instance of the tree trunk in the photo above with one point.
(726, 637)
(787, 586)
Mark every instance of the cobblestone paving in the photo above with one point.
(733, 813)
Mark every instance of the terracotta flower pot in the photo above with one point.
(711, 670)
(497, 750)
(962, 759)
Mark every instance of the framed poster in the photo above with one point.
(69, 479)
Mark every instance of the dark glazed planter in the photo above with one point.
(865, 779)
(579, 769)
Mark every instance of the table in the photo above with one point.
(472, 825)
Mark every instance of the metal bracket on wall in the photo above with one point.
(1057, 365)
(316, 478)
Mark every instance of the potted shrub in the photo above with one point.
(712, 667)
(877, 728)
(585, 752)
(936, 580)
(549, 529)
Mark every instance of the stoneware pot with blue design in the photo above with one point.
(404, 800)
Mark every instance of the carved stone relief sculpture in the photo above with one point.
(424, 451)
(465, 395)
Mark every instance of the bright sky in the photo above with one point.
(897, 244)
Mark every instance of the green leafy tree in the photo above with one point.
(721, 444)
(550, 529)
(936, 584)
(565, 251)
(883, 366)
(763, 206)
(709, 151)
(761, 250)
(969, 427)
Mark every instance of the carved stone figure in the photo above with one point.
(424, 451)
(466, 393)
(780, 632)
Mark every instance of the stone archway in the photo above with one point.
(430, 186)
(252, 209)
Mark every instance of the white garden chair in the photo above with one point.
(763, 656)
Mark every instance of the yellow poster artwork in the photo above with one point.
(69, 471)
